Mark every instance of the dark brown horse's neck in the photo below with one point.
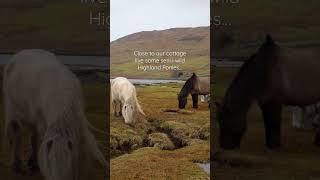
(251, 81)
(187, 88)
(239, 100)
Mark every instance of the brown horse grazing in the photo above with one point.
(195, 86)
(273, 77)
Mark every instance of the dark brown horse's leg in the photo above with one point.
(317, 138)
(195, 100)
(272, 122)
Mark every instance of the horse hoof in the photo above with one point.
(317, 140)
(17, 169)
(273, 146)
(33, 166)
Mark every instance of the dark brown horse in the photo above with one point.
(195, 86)
(272, 77)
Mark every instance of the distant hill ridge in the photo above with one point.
(195, 41)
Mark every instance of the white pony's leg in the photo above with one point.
(33, 160)
(114, 106)
(13, 135)
(297, 117)
(120, 108)
(203, 98)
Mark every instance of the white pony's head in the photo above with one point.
(129, 112)
(58, 159)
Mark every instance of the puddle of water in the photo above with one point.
(205, 167)
(172, 113)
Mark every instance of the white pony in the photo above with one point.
(124, 99)
(43, 95)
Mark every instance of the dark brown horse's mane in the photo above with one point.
(251, 78)
(185, 90)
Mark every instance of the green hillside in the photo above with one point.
(194, 41)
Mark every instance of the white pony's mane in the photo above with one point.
(135, 102)
(59, 161)
(72, 124)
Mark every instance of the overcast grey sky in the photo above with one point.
(131, 16)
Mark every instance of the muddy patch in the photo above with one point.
(160, 140)
(177, 111)
(166, 135)
(237, 159)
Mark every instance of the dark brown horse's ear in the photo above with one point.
(218, 105)
(269, 39)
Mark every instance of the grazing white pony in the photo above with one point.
(124, 99)
(43, 95)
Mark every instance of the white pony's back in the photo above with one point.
(44, 93)
(36, 79)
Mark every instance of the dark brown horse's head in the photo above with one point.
(182, 101)
(186, 89)
(232, 127)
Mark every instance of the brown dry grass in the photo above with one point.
(133, 159)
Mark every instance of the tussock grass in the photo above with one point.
(168, 144)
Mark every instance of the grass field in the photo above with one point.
(96, 108)
(161, 145)
(297, 159)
